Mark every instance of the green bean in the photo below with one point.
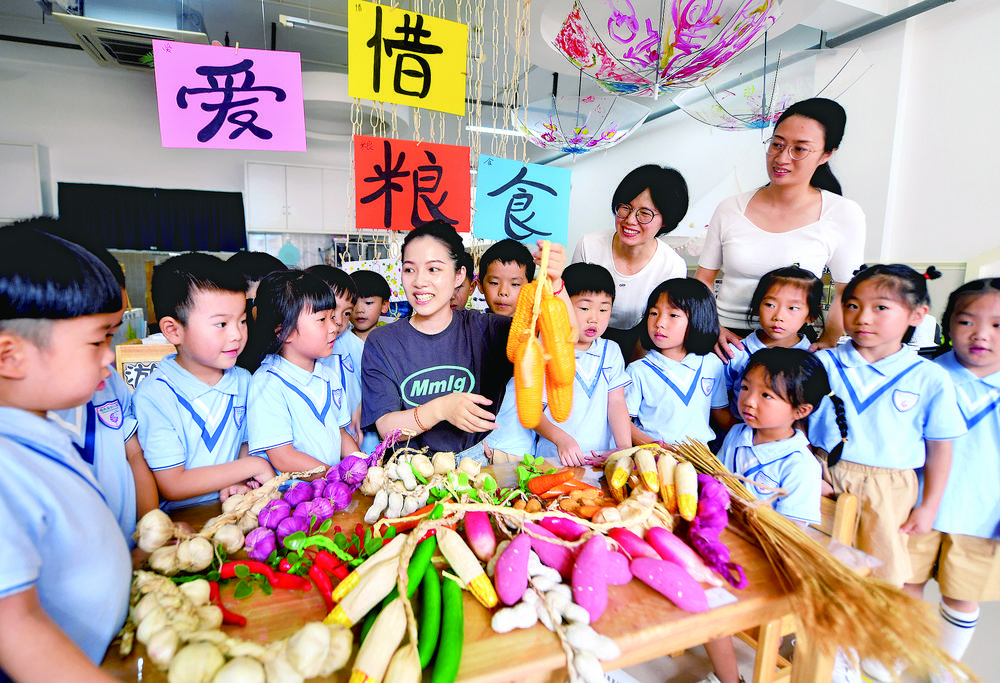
(430, 615)
(449, 655)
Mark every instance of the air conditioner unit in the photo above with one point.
(113, 44)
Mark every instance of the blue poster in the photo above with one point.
(524, 202)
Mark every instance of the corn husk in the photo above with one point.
(835, 607)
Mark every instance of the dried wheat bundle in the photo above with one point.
(834, 605)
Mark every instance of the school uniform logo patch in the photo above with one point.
(110, 414)
(764, 484)
(337, 395)
(904, 400)
(348, 363)
(239, 413)
(707, 383)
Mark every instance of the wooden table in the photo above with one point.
(643, 623)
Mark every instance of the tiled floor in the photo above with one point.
(982, 656)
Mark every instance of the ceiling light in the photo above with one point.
(495, 131)
(296, 22)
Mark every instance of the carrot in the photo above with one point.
(588, 511)
(544, 482)
(568, 487)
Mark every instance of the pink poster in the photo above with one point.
(216, 97)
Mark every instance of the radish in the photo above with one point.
(479, 531)
(511, 572)
(552, 555)
(590, 586)
(564, 527)
(672, 582)
(616, 568)
(674, 549)
(632, 543)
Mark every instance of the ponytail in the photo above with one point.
(838, 407)
(833, 119)
(823, 179)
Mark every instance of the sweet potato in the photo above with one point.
(672, 581)
(511, 572)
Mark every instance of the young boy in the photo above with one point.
(599, 419)
(192, 407)
(253, 265)
(460, 299)
(64, 579)
(503, 269)
(373, 302)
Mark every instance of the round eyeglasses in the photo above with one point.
(796, 152)
(642, 215)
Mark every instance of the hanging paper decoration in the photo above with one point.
(736, 101)
(579, 124)
(644, 47)
(523, 202)
(406, 58)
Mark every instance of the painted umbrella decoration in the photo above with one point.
(579, 124)
(645, 47)
(737, 99)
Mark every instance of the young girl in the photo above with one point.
(297, 407)
(786, 301)
(680, 383)
(902, 413)
(961, 552)
(439, 371)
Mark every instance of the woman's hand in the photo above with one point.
(463, 410)
(726, 338)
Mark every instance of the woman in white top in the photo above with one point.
(798, 218)
(650, 201)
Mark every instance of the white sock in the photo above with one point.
(957, 629)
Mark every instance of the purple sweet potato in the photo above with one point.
(551, 554)
(590, 584)
(632, 543)
(672, 581)
(510, 575)
(563, 527)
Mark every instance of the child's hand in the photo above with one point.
(232, 491)
(265, 472)
(570, 454)
(354, 429)
(920, 521)
(463, 410)
(557, 259)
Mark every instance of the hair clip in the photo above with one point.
(932, 273)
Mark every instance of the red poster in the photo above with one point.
(400, 184)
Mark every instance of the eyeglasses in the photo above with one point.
(642, 215)
(796, 152)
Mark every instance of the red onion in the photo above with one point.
(339, 494)
(272, 513)
(322, 509)
(299, 493)
(304, 510)
(290, 525)
(317, 486)
(259, 543)
(353, 470)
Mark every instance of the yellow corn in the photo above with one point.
(370, 590)
(560, 397)
(404, 667)
(665, 467)
(686, 481)
(617, 492)
(384, 637)
(467, 566)
(553, 321)
(623, 470)
(519, 326)
(390, 549)
(529, 368)
(645, 465)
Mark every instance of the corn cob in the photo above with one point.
(465, 564)
(645, 465)
(404, 667)
(387, 551)
(553, 320)
(521, 327)
(686, 481)
(665, 467)
(560, 397)
(622, 471)
(383, 639)
(370, 591)
(529, 368)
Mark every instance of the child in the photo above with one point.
(679, 385)
(192, 407)
(460, 299)
(298, 410)
(253, 265)
(961, 553)
(64, 581)
(902, 413)
(503, 269)
(599, 419)
(373, 302)
(428, 372)
(786, 301)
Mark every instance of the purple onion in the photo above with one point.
(317, 486)
(272, 513)
(299, 493)
(304, 510)
(322, 509)
(259, 543)
(290, 525)
(339, 494)
(353, 470)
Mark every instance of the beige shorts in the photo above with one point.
(885, 498)
(965, 567)
(497, 456)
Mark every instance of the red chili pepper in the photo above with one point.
(290, 582)
(326, 560)
(285, 565)
(227, 616)
(228, 570)
(323, 585)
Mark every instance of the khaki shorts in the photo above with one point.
(965, 567)
(885, 498)
(497, 456)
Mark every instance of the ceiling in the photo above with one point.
(257, 24)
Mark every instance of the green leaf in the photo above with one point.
(417, 474)
(372, 545)
(342, 554)
(463, 479)
(295, 542)
(325, 526)
(243, 590)
(489, 483)
(213, 575)
(241, 571)
(539, 462)
(391, 531)
(435, 514)
(266, 587)
(340, 540)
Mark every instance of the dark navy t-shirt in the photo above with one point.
(402, 368)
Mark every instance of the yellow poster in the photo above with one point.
(406, 58)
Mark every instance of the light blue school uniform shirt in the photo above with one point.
(346, 360)
(599, 370)
(58, 534)
(892, 406)
(738, 363)
(509, 436)
(289, 405)
(183, 421)
(971, 502)
(672, 400)
(786, 464)
(98, 431)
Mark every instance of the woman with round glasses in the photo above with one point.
(650, 201)
(799, 218)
